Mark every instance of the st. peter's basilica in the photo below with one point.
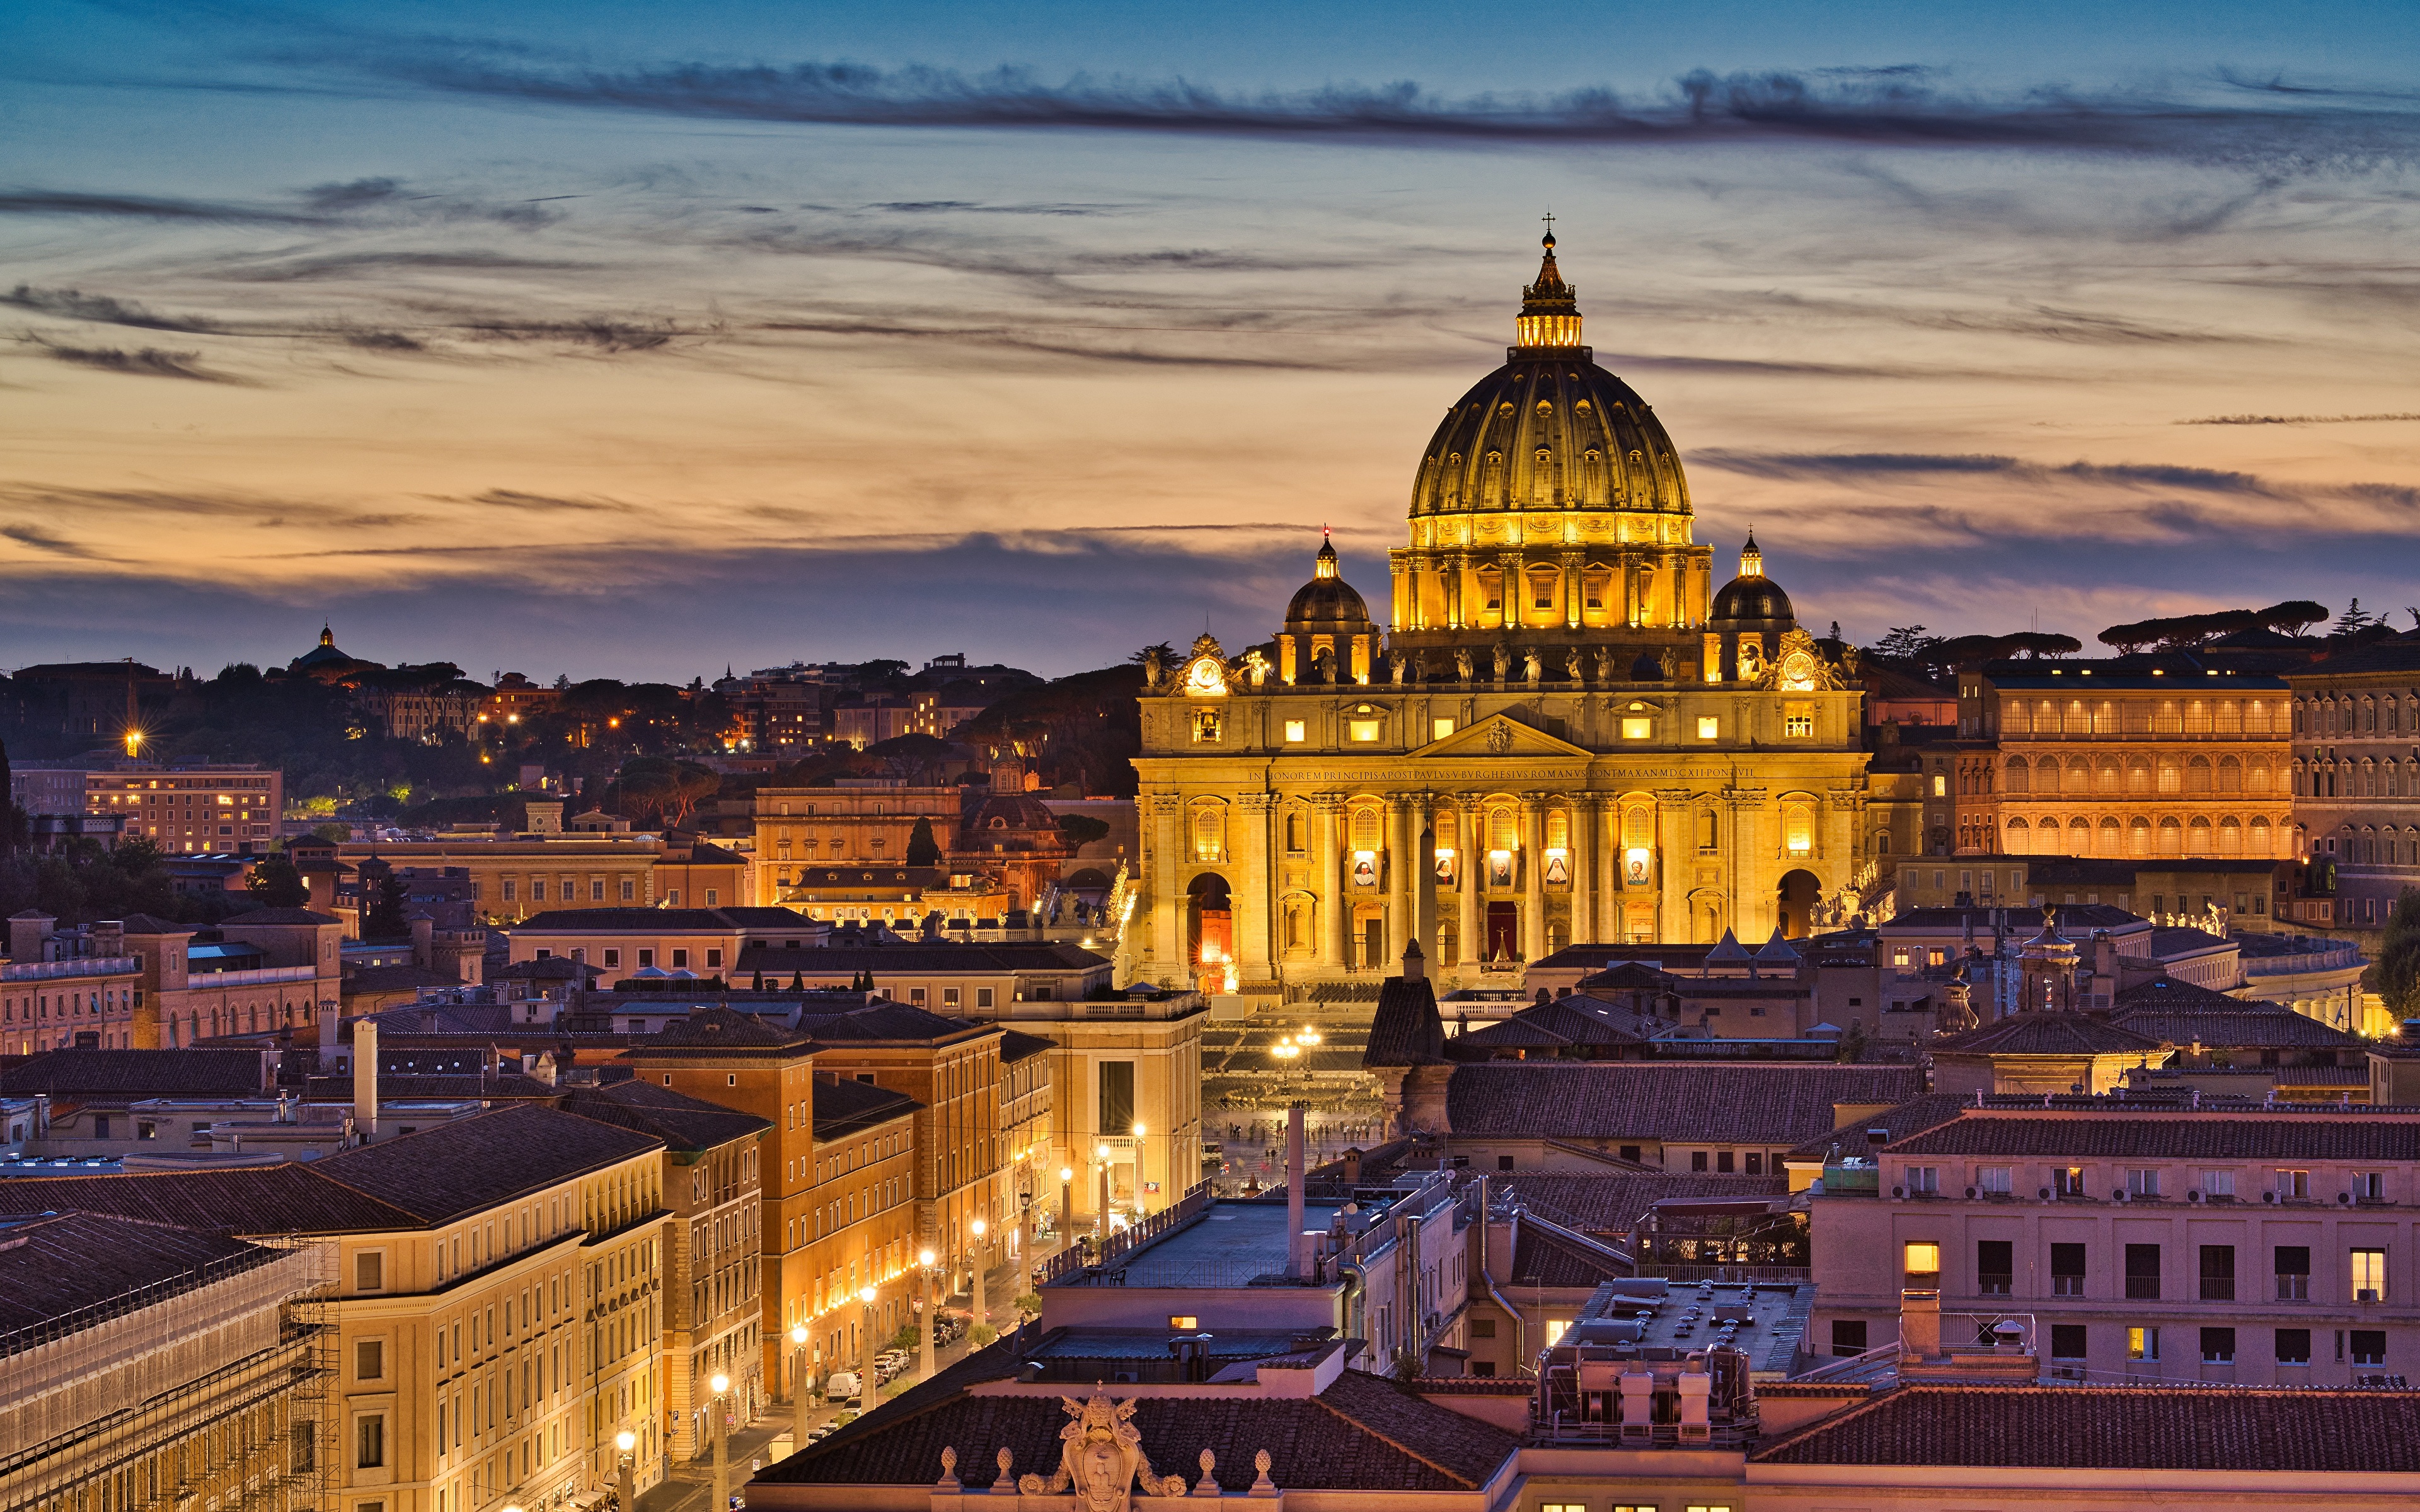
(1564, 735)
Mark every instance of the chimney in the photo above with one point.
(329, 1057)
(1415, 965)
(26, 933)
(1353, 1167)
(428, 1021)
(365, 1077)
(1297, 1252)
(1919, 1304)
(424, 941)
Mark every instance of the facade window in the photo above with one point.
(2067, 1270)
(2369, 1274)
(2293, 1346)
(1924, 1180)
(2293, 1186)
(2218, 1186)
(1798, 721)
(369, 1271)
(646, 958)
(2143, 1181)
(2218, 1346)
(1363, 731)
(2142, 1273)
(629, 889)
(2218, 1273)
(982, 997)
(2142, 1343)
(680, 959)
(2068, 1341)
(1709, 727)
(612, 957)
(1848, 1336)
(2293, 1272)
(1638, 727)
(1995, 1267)
(2068, 1180)
(1995, 1180)
(2368, 1346)
(369, 1441)
(369, 1359)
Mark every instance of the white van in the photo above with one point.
(840, 1385)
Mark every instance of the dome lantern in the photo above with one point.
(1550, 311)
(1751, 560)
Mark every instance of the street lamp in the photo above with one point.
(801, 1382)
(865, 1396)
(1067, 1204)
(624, 1496)
(1101, 1154)
(719, 1384)
(981, 1312)
(1141, 1205)
(932, 1312)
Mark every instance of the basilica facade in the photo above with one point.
(1564, 736)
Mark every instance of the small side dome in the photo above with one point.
(1648, 668)
(1752, 595)
(1327, 601)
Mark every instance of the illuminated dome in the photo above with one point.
(1751, 596)
(1327, 602)
(1549, 430)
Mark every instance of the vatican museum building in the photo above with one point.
(1565, 734)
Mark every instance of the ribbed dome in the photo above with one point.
(1327, 600)
(1549, 430)
(1752, 599)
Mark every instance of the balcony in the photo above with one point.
(97, 965)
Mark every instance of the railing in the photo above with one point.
(97, 965)
(1176, 1215)
(2256, 966)
(1761, 1274)
(252, 979)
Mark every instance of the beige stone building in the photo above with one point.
(801, 829)
(1567, 735)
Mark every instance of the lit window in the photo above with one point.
(1708, 727)
(1923, 1257)
(1295, 732)
(2142, 1344)
(1362, 731)
(2369, 1276)
(1439, 729)
(1555, 1327)
(1940, 786)
(1184, 1321)
(1638, 729)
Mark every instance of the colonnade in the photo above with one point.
(1440, 590)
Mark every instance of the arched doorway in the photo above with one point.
(1793, 904)
(1209, 930)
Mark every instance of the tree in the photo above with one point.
(386, 921)
(2395, 977)
(2293, 616)
(923, 850)
(1078, 830)
(1904, 640)
(670, 788)
(276, 884)
(2355, 618)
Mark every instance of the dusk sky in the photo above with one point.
(601, 339)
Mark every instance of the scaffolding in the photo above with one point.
(207, 1387)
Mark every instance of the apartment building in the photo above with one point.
(2357, 781)
(513, 876)
(149, 1361)
(147, 983)
(497, 1310)
(868, 1238)
(2142, 1242)
(625, 941)
(713, 1298)
(866, 822)
(854, 1222)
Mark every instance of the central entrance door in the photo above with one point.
(1503, 932)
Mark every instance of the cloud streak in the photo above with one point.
(2230, 120)
(148, 362)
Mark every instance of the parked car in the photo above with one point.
(839, 1384)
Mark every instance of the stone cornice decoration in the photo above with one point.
(1206, 670)
(1797, 667)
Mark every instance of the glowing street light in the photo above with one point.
(719, 1384)
(624, 1495)
(801, 1382)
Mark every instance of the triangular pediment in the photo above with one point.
(1501, 735)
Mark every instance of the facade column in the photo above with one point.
(1455, 566)
(1168, 903)
(1583, 868)
(1510, 565)
(1334, 922)
(1400, 820)
(1469, 865)
(1750, 869)
(1573, 593)
(1533, 876)
(1605, 875)
(1676, 867)
(1424, 898)
(1254, 887)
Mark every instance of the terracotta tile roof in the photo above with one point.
(277, 1200)
(51, 1267)
(1360, 1434)
(844, 1107)
(441, 1173)
(1405, 1030)
(884, 1021)
(683, 1122)
(1728, 1103)
(920, 958)
(1015, 1045)
(2279, 1028)
(1545, 1256)
(2044, 1034)
(2167, 1426)
(713, 1033)
(285, 916)
(118, 1074)
(397, 978)
(1579, 1020)
(1610, 1205)
(2297, 1134)
(1904, 1122)
(2168, 994)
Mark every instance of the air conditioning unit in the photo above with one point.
(2365, 1294)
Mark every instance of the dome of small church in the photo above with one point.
(1751, 595)
(1327, 601)
(1549, 430)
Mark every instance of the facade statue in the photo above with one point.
(1465, 664)
(1574, 666)
(1256, 666)
(1154, 668)
(1503, 661)
(1532, 667)
(1396, 665)
(1100, 1459)
(1605, 664)
(1672, 661)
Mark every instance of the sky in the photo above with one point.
(632, 340)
